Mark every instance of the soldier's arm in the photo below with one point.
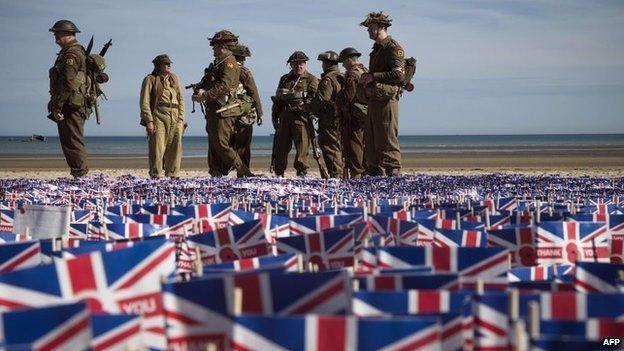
(278, 105)
(144, 101)
(228, 81)
(397, 68)
(181, 108)
(350, 85)
(322, 97)
(67, 73)
(250, 86)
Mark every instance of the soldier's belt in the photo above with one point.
(163, 104)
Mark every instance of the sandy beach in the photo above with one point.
(593, 162)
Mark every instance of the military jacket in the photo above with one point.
(352, 79)
(306, 83)
(67, 75)
(249, 84)
(329, 87)
(387, 62)
(223, 80)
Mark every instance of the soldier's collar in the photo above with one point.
(70, 44)
(332, 69)
(385, 41)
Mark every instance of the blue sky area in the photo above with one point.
(484, 67)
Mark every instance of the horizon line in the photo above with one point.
(400, 135)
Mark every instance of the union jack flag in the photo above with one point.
(60, 327)
(197, 313)
(180, 225)
(277, 293)
(403, 232)
(540, 273)
(315, 224)
(457, 238)
(276, 226)
(286, 261)
(592, 277)
(7, 218)
(407, 281)
(126, 280)
(491, 323)
(316, 333)
(520, 241)
(81, 216)
(616, 224)
(132, 230)
(19, 255)
(329, 249)
(116, 331)
(79, 230)
(12, 237)
(477, 262)
(207, 212)
(616, 250)
(572, 306)
(230, 243)
(384, 303)
(569, 242)
(592, 329)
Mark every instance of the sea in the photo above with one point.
(195, 146)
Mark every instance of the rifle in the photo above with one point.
(100, 78)
(316, 149)
(197, 86)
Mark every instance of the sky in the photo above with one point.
(484, 66)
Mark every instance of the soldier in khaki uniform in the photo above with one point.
(67, 106)
(162, 114)
(289, 117)
(382, 88)
(353, 113)
(244, 125)
(219, 96)
(323, 105)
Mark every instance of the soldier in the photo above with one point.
(162, 114)
(244, 125)
(382, 88)
(289, 117)
(353, 113)
(67, 106)
(323, 105)
(219, 94)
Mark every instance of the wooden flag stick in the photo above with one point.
(534, 318)
(199, 266)
(514, 300)
(480, 287)
(238, 301)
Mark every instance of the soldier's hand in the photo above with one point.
(58, 116)
(198, 97)
(150, 128)
(259, 120)
(366, 78)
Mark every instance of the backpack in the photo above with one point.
(410, 70)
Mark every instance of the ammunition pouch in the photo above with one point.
(381, 91)
(80, 91)
(244, 101)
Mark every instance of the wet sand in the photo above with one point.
(578, 162)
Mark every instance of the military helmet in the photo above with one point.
(377, 17)
(297, 56)
(223, 36)
(160, 59)
(348, 52)
(240, 50)
(330, 56)
(64, 26)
